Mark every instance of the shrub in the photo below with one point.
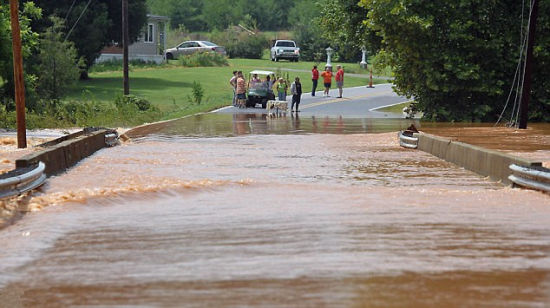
(198, 92)
(124, 101)
(251, 47)
(116, 65)
(239, 44)
(203, 59)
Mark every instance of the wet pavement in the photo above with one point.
(240, 210)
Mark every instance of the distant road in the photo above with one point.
(358, 102)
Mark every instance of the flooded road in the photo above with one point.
(233, 211)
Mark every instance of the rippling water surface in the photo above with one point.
(259, 212)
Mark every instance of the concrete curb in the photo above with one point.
(486, 162)
(64, 152)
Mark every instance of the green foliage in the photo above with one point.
(197, 15)
(341, 22)
(458, 58)
(247, 46)
(198, 92)
(125, 111)
(307, 34)
(116, 65)
(99, 23)
(29, 42)
(57, 62)
(202, 59)
(130, 102)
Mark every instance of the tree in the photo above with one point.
(342, 23)
(57, 62)
(93, 24)
(306, 31)
(457, 58)
(29, 41)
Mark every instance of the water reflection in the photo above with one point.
(224, 125)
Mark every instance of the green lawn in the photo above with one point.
(169, 86)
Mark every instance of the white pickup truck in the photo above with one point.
(284, 49)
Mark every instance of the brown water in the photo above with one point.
(286, 220)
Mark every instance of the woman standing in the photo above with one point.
(281, 89)
(327, 79)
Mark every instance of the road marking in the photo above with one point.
(345, 98)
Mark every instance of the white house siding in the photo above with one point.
(151, 50)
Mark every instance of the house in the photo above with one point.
(149, 47)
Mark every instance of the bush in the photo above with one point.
(203, 59)
(116, 65)
(240, 44)
(251, 47)
(123, 102)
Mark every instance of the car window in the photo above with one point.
(207, 43)
(185, 45)
(286, 44)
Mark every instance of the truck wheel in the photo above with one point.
(169, 56)
(276, 59)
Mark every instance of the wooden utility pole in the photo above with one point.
(526, 89)
(18, 75)
(125, 41)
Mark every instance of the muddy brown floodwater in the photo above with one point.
(259, 212)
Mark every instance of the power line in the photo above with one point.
(77, 20)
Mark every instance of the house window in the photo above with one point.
(149, 34)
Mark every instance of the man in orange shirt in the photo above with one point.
(314, 79)
(327, 79)
(339, 79)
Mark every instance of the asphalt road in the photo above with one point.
(358, 102)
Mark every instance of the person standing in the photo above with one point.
(241, 90)
(327, 79)
(314, 79)
(233, 83)
(296, 90)
(281, 89)
(339, 79)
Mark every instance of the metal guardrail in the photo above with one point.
(534, 178)
(407, 141)
(20, 183)
(111, 139)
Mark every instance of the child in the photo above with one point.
(296, 90)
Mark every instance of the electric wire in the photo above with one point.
(78, 19)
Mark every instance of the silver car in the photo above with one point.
(191, 47)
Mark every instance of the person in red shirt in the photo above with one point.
(327, 79)
(314, 79)
(339, 79)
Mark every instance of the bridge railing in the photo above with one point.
(21, 180)
(407, 140)
(535, 178)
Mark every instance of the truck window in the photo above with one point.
(286, 44)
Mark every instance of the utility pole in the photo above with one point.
(526, 89)
(125, 46)
(18, 75)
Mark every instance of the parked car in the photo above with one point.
(284, 49)
(259, 93)
(191, 47)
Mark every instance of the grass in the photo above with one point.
(395, 108)
(169, 87)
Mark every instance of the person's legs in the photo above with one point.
(314, 87)
(298, 98)
(340, 88)
(293, 102)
